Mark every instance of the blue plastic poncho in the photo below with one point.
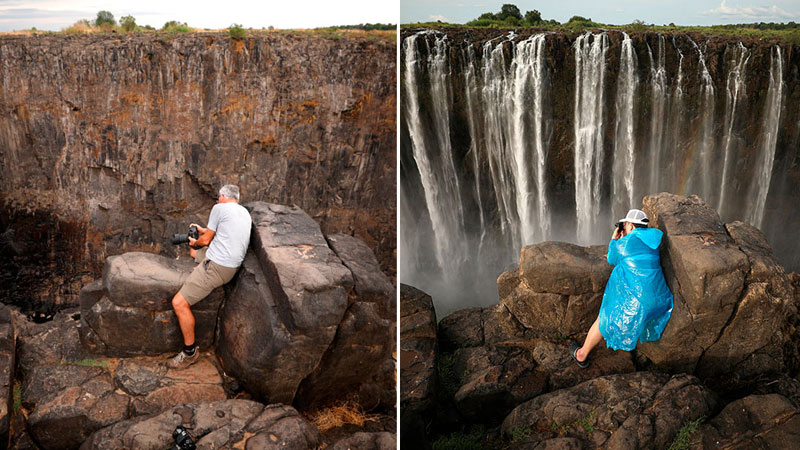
(637, 302)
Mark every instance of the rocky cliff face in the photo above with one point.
(111, 144)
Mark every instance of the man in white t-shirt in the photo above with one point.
(227, 237)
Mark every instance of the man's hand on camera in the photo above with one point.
(192, 240)
(200, 230)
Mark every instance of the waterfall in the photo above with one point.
(701, 164)
(434, 162)
(590, 66)
(624, 155)
(498, 152)
(513, 101)
(734, 88)
(470, 94)
(658, 81)
(676, 123)
(772, 118)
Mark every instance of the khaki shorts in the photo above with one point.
(206, 277)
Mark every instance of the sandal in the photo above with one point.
(573, 351)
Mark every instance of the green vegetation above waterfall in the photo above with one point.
(511, 17)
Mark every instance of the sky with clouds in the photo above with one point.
(57, 14)
(618, 12)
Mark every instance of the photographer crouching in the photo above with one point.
(220, 249)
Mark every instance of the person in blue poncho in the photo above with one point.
(637, 303)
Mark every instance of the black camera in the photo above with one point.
(620, 226)
(182, 439)
(178, 239)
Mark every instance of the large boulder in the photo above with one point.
(367, 441)
(130, 312)
(418, 360)
(222, 424)
(364, 342)
(557, 290)
(639, 410)
(286, 305)
(731, 297)
(65, 418)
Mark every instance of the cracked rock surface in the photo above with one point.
(222, 424)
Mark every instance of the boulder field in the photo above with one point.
(307, 322)
(724, 372)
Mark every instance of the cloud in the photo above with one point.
(438, 17)
(749, 12)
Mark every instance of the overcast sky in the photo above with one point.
(616, 12)
(55, 15)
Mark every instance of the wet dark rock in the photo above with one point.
(367, 441)
(222, 424)
(49, 343)
(635, 410)
(418, 361)
(756, 421)
(494, 379)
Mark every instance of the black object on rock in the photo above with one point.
(573, 351)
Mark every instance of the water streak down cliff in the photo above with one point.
(555, 141)
(113, 143)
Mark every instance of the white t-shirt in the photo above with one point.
(231, 224)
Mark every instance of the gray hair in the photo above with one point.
(230, 191)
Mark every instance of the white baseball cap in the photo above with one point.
(636, 216)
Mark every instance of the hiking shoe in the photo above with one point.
(182, 360)
(573, 351)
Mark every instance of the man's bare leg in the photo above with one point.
(593, 338)
(185, 318)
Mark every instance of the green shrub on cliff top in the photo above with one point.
(237, 31)
(173, 26)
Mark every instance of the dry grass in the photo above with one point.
(339, 415)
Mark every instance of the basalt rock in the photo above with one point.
(557, 290)
(130, 312)
(418, 361)
(756, 421)
(119, 141)
(367, 441)
(222, 424)
(304, 310)
(365, 338)
(732, 298)
(636, 410)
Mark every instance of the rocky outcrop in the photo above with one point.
(731, 297)
(130, 312)
(418, 361)
(113, 143)
(223, 424)
(638, 410)
(302, 315)
(756, 421)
